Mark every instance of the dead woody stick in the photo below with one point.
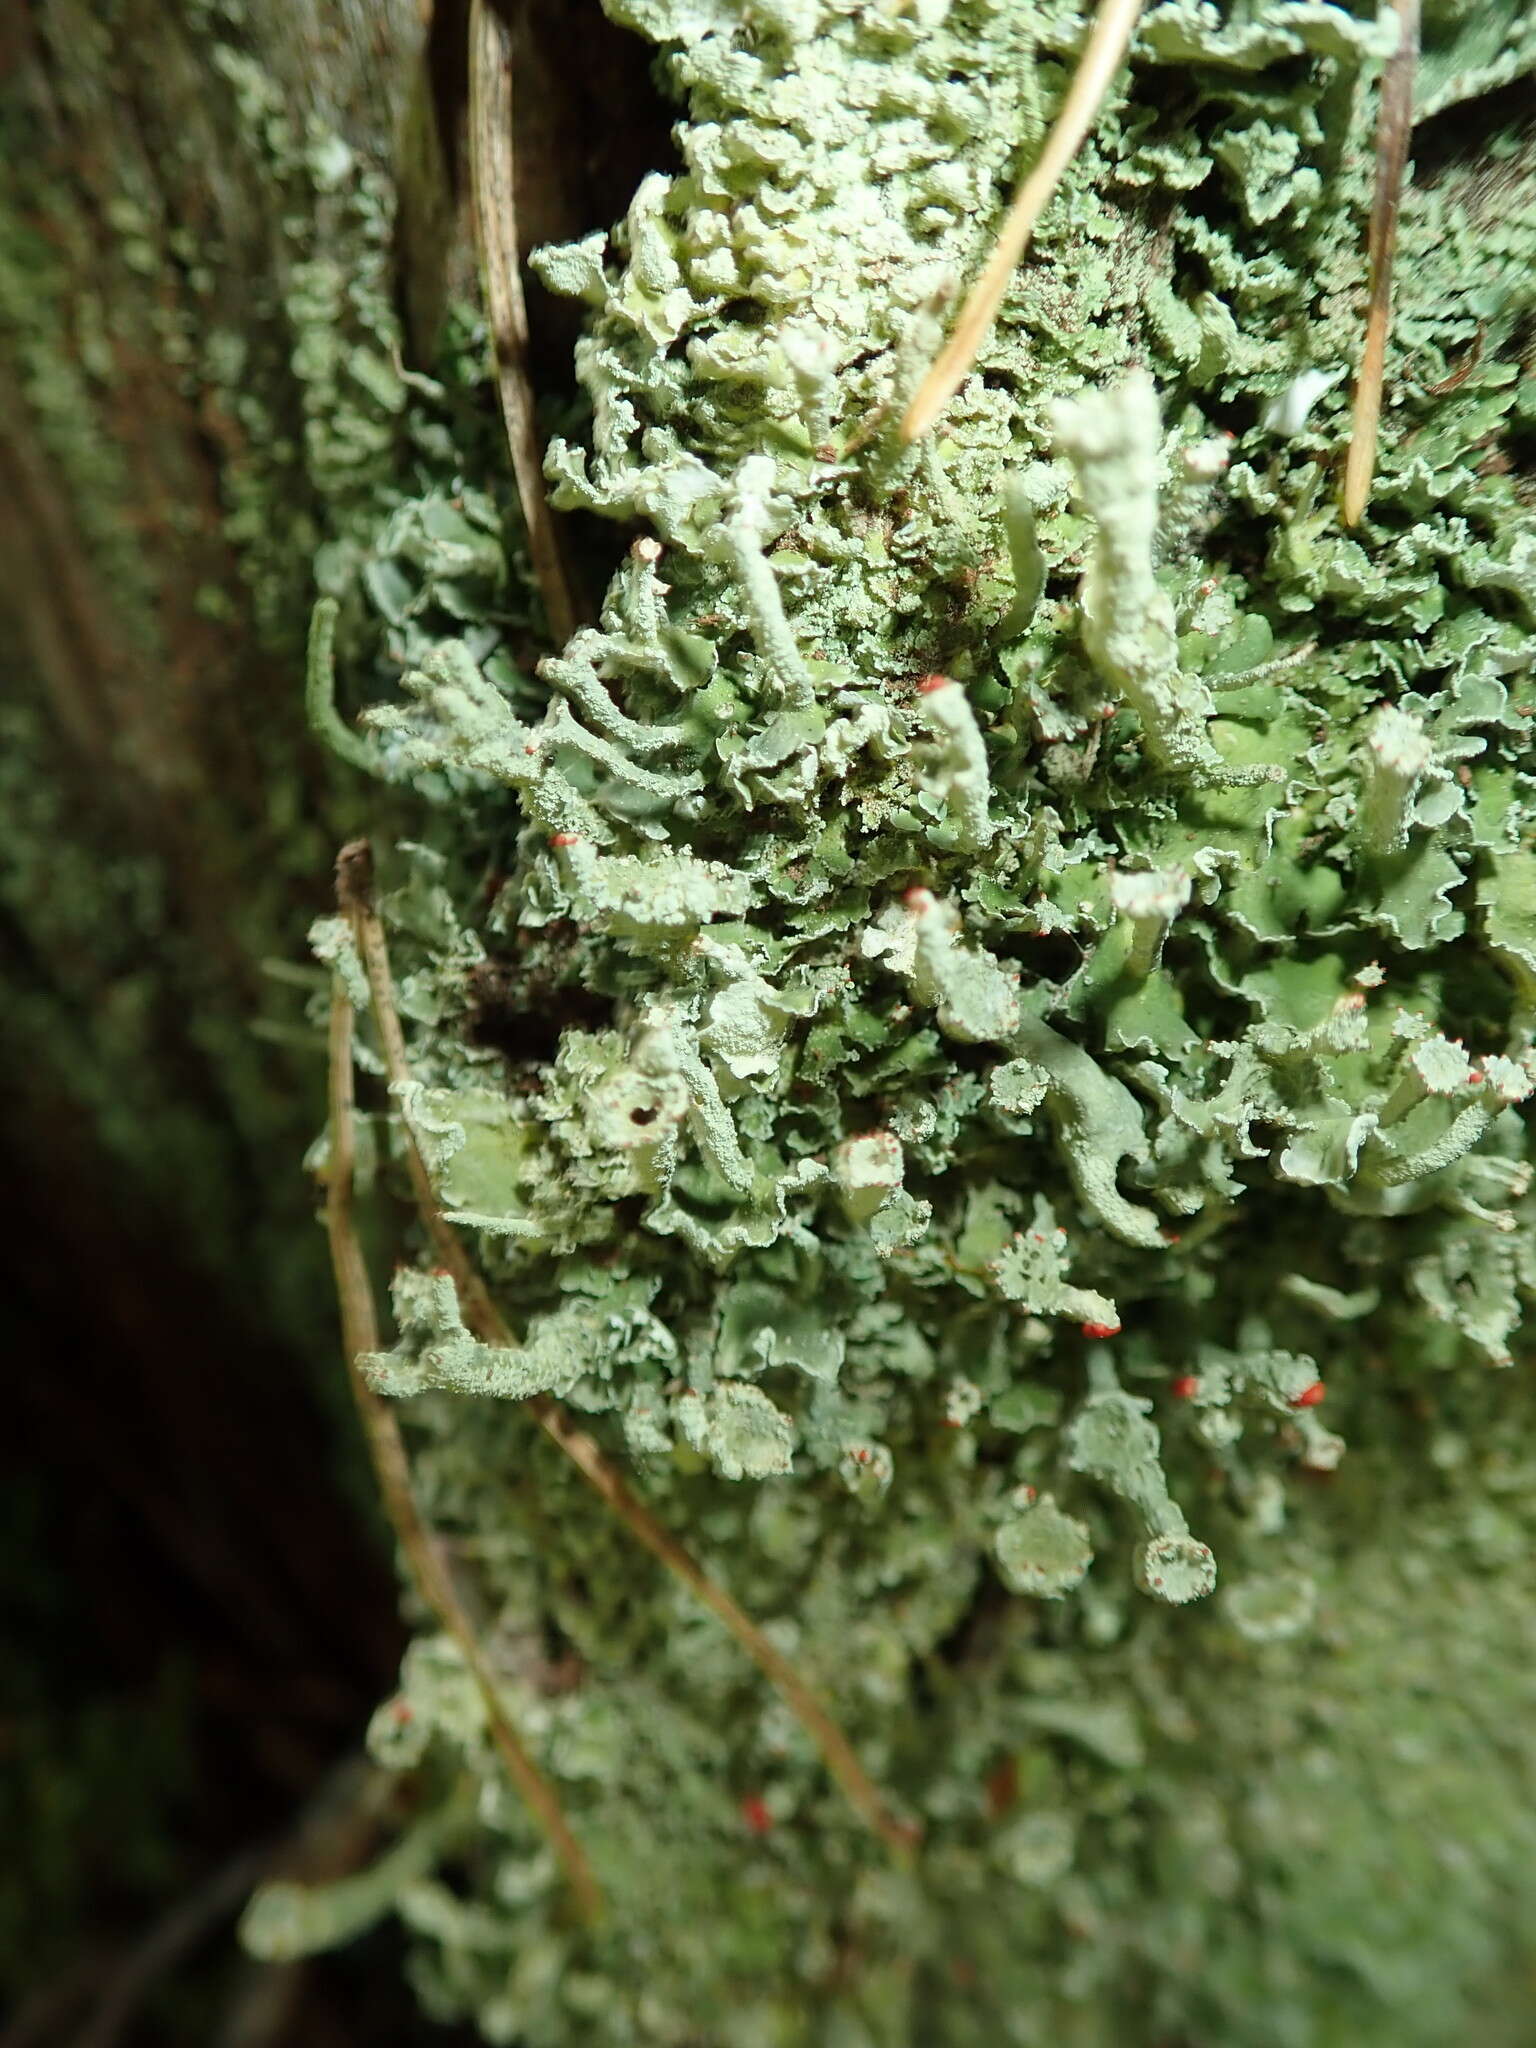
(492, 167)
(1103, 53)
(418, 1544)
(354, 871)
(1394, 132)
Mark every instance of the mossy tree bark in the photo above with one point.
(215, 221)
(166, 824)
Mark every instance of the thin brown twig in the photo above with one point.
(1394, 133)
(391, 1464)
(492, 169)
(1463, 370)
(484, 1318)
(1103, 53)
(171, 1937)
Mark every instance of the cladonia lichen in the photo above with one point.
(980, 1021)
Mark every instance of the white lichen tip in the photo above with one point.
(1156, 896)
(1288, 411)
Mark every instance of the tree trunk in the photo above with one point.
(1162, 852)
(223, 232)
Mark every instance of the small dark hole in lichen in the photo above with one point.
(523, 1015)
(1049, 956)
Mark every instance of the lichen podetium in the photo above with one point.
(978, 1025)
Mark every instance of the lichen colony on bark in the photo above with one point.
(978, 1023)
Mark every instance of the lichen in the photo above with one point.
(1013, 967)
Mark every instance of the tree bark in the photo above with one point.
(214, 219)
